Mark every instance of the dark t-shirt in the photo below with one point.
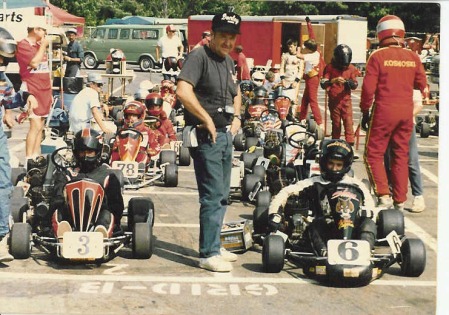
(214, 84)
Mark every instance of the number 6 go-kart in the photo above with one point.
(350, 260)
(83, 198)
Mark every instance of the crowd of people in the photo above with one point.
(208, 88)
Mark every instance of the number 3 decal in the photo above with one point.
(84, 241)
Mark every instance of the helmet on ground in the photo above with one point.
(153, 103)
(7, 45)
(258, 78)
(342, 56)
(390, 31)
(134, 108)
(339, 150)
(170, 63)
(88, 140)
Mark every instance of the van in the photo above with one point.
(138, 43)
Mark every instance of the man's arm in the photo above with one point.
(37, 59)
(236, 122)
(98, 116)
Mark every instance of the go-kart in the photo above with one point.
(427, 125)
(351, 258)
(139, 171)
(83, 198)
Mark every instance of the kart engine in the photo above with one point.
(298, 217)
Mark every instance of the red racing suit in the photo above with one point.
(340, 103)
(391, 75)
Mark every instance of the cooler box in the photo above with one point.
(236, 236)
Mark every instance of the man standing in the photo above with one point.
(291, 72)
(205, 39)
(391, 74)
(169, 45)
(242, 65)
(35, 75)
(74, 56)
(207, 87)
(86, 105)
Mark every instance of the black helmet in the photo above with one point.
(88, 139)
(246, 86)
(260, 91)
(342, 56)
(171, 63)
(7, 46)
(339, 150)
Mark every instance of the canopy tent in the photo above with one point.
(61, 17)
(17, 4)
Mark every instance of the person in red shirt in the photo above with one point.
(242, 65)
(35, 75)
(205, 40)
(392, 73)
(153, 103)
(340, 77)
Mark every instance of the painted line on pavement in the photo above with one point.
(428, 239)
(429, 175)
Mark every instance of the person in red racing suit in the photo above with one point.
(392, 73)
(340, 77)
(153, 103)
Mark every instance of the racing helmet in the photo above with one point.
(342, 56)
(258, 78)
(246, 86)
(390, 31)
(260, 96)
(170, 63)
(180, 63)
(88, 139)
(141, 95)
(134, 108)
(336, 149)
(152, 100)
(7, 46)
(167, 86)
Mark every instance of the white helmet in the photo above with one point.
(258, 78)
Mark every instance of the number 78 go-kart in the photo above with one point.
(350, 260)
(82, 243)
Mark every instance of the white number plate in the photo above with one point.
(263, 161)
(129, 169)
(86, 245)
(351, 252)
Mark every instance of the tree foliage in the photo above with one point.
(418, 17)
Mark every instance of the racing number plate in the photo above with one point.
(129, 169)
(263, 161)
(350, 252)
(85, 245)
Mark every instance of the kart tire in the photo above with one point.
(184, 156)
(171, 175)
(248, 183)
(20, 240)
(248, 159)
(263, 199)
(239, 142)
(140, 210)
(425, 130)
(167, 156)
(143, 243)
(260, 220)
(259, 171)
(413, 254)
(251, 142)
(389, 220)
(19, 204)
(273, 253)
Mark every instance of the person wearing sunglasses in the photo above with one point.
(169, 46)
(86, 105)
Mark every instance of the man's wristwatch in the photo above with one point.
(238, 117)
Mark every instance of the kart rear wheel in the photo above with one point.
(425, 130)
(248, 183)
(390, 220)
(273, 253)
(171, 175)
(184, 156)
(239, 142)
(19, 204)
(20, 240)
(413, 254)
(167, 156)
(251, 142)
(142, 244)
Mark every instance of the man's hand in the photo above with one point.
(307, 19)
(235, 125)
(8, 118)
(274, 222)
(365, 121)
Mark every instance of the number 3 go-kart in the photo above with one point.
(83, 198)
(350, 261)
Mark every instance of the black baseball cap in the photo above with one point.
(227, 22)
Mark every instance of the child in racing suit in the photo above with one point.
(153, 103)
(87, 152)
(333, 185)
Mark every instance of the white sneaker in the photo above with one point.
(215, 263)
(399, 206)
(385, 201)
(5, 256)
(418, 204)
(227, 256)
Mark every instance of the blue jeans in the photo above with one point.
(5, 183)
(414, 171)
(213, 163)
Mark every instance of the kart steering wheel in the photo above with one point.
(298, 144)
(269, 111)
(63, 158)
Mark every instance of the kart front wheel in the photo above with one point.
(142, 244)
(273, 253)
(249, 181)
(20, 241)
(413, 254)
(167, 156)
(171, 175)
(184, 156)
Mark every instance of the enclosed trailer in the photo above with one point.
(264, 37)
